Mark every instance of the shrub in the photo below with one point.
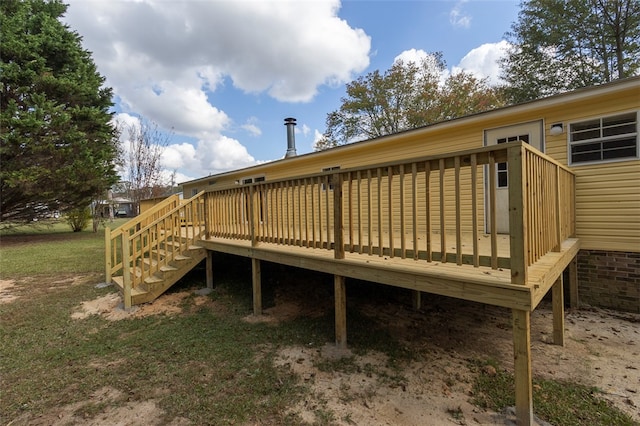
(78, 218)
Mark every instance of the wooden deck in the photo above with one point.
(418, 225)
(480, 284)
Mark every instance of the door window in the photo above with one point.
(502, 178)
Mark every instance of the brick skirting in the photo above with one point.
(609, 279)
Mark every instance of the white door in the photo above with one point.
(531, 133)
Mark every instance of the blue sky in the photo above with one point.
(224, 74)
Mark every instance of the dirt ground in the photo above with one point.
(602, 349)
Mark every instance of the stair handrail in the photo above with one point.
(140, 246)
(112, 264)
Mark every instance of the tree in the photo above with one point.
(406, 96)
(142, 169)
(57, 144)
(560, 45)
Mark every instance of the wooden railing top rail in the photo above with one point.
(173, 199)
(181, 205)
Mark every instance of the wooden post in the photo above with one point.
(206, 213)
(126, 271)
(517, 214)
(417, 299)
(107, 255)
(257, 286)
(574, 299)
(522, 366)
(557, 296)
(340, 295)
(254, 220)
(209, 269)
(338, 237)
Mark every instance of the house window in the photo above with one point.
(604, 139)
(502, 174)
(255, 179)
(194, 192)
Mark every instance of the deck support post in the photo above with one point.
(209, 269)
(340, 295)
(574, 300)
(517, 214)
(257, 286)
(417, 299)
(557, 296)
(522, 367)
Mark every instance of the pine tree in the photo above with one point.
(58, 145)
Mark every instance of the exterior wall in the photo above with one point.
(610, 279)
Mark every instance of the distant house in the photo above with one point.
(116, 207)
(594, 131)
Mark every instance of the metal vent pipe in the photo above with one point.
(291, 137)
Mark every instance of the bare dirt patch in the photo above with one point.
(105, 407)
(110, 306)
(6, 291)
(447, 336)
(11, 290)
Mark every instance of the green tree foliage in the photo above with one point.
(406, 96)
(560, 45)
(57, 144)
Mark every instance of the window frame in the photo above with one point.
(601, 118)
(248, 180)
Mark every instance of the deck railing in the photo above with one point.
(142, 246)
(432, 209)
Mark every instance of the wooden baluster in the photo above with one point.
(427, 198)
(492, 210)
(414, 210)
(359, 189)
(403, 243)
(350, 210)
(456, 162)
(369, 215)
(390, 204)
(443, 234)
(380, 245)
(474, 211)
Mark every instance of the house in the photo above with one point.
(593, 131)
(498, 207)
(115, 207)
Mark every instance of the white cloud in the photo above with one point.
(458, 18)
(165, 59)
(484, 61)
(251, 127)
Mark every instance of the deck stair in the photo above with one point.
(150, 253)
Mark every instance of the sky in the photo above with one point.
(220, 76)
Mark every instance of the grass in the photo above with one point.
(50, 248)
(206, 364)
(561, 403)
